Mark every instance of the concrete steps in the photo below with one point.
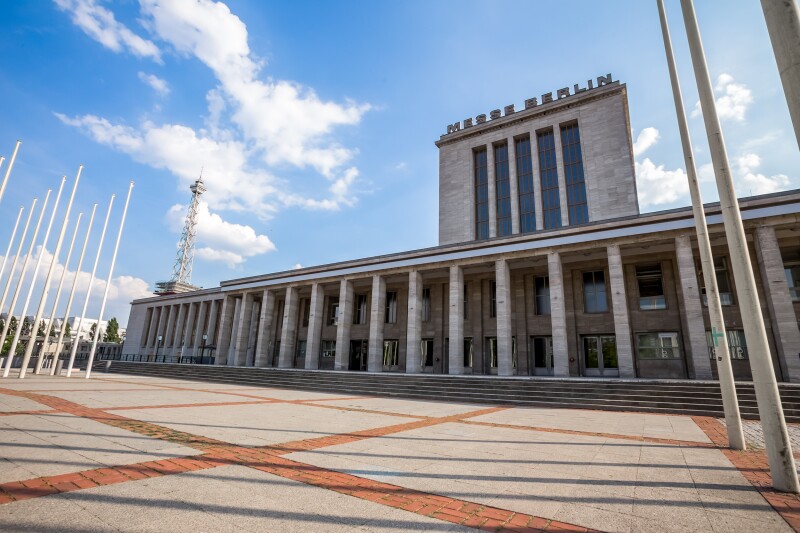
(675, 397)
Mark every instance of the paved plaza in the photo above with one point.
(131, 453)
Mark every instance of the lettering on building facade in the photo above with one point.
(530, 103)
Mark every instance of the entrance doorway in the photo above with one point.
(428, 362)
(542, 356)
(358, 355)
(600, 356)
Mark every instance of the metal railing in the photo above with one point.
(143, 358)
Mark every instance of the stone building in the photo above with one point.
(544, 267)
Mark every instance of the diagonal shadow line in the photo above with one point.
(70, 448)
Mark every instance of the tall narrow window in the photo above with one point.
(466, 303)
(548, 171)
(723, 281)
(493, 299)
(333, 311)
(306, 311)
(594, 292)
(391, 307)
(390, 352)
(503, 188)
(573, 174)
(468, 351)
(651, 287)
(481, 195)
(793, 280)
(426, 305)
(541, 292)
(737, 344)
(360, 311)
(527, 205)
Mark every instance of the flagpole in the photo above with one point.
(11, 242)
(770, 410)
(8, 170)
(730, 402)
(51, 320)
(72, 292)
(108, 283)
(74, 349)
(10, 357)
(46, 289)
(11, 273)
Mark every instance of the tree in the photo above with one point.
(41, 332)
(112, 331)
(67, 330)
(12, 327)
(92, 331)
(26, 327)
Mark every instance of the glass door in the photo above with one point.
(542, 356)
(358, 355)
(600, 356)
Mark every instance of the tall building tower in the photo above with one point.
(181, 280)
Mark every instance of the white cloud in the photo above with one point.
(658, 186)
(297, 266)
(219, 240)
(101, 25)
(732, 101)
(751, 182)
(647, 138)
(159, 85)
(299, 122)
(122, 291)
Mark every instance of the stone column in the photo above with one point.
(265, 341)
(250, 352)
(187, 334)
(170, 325)
(692, 308)
(177, 337)
(558, 315)
(234, 331)
(492, 186)
(200, 330)
(414, 360)
(214, 310)
(225, 327)
(343, 325)
(243, 328)
(147, 325)
(619, 305)
(781, 309)
(377, 314)
(152, 333)
(316, 318)
(505, 364)
(562, 180)
(514, 186)
(537, 181)
(456, 321)
(289, 331)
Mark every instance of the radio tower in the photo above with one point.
(182, 271)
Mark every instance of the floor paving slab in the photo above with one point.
(409, 407)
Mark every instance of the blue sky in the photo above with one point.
(315, 121)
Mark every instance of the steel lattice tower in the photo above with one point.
(182, 270)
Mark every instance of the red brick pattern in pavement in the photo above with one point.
(267, 459)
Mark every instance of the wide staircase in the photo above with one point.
(697, 398)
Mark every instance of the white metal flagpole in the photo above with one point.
(50, 322)
(10, 356)
(74, 349)
(46, 289)
(8, 170)
(730, 402)
(32, 285)
(108, 283)
(11, 241)
(770, 410)
(11, 272)
(72, 293)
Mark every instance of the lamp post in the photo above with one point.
(203, 349)
(158, 345)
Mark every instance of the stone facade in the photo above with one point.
(607, 153)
